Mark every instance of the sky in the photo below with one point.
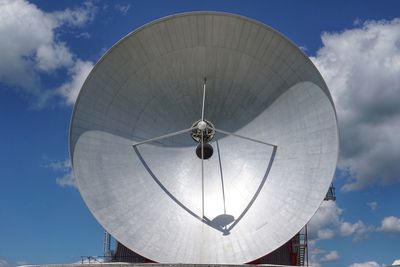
(47, 49)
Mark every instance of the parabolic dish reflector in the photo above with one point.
(268, 117)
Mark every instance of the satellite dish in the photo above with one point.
(263, 112)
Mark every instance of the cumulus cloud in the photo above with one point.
(390, 224)
(324, 222)
(330, 256)
(327, 222)
(77, 17)
(314, 255)
(52, 56)
(64, 170)
(59, 165)
(325, 233)
(32, 47)
(319, 256)
(361, 67)
(66, 180)
(28, 29)
(78, 73)
(7, 263)
(4, 263)
(359, 230)
(366, 264)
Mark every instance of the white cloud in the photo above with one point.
(366, 264)
(52, 56)
(59, 165)
(361, 67)
(66, 180)
(358, 229)
(318, 256)
(372, 205)
(76, 17)
(7, 263)
(327, 222)
(28, 29)
(63, 168)
(78, 74)
(330, 256)
(122, 8)
(396, 262)
(325, 233)
(347, 228)
(314, 255)
(32, 47)
(4, 263)
(390, 224)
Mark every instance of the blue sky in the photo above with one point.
(48, 47)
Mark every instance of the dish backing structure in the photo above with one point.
(227, 86)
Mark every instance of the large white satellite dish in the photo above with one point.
(264, 110)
